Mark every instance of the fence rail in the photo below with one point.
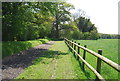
(72, 45)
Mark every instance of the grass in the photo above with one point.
(13, 47)
(59, 63)
(56, 63)
(110, 50)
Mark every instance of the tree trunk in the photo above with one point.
(56, 26)
(57, 31)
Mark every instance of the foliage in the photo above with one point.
(62, 15)
(81, 28)
(13, 47)
(87, 28)
(68, 30)
(109, 36)
(32, 20)
(94, 35)
(77, 35)
(26, 20)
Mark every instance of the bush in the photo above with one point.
(77, 35)
(94, 35)
(12, 47)
(86, 36)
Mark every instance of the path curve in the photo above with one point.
(14, 65)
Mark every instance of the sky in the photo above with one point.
(102, 13)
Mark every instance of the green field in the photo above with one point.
(59, 63)
(109, 49)
(13, 47)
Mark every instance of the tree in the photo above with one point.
(87, 28)
(62, 15)
(109, 36)
(11, 20)
(26, 20)
(94, 35)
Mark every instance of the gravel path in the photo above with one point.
(12, 66)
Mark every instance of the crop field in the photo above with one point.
(59, 63)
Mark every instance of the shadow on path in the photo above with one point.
(13, 65)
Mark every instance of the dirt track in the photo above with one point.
(12, 66)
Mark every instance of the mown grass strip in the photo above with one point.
(56, 63)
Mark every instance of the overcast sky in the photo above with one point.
(102, 13)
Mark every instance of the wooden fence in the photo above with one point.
(72, 46)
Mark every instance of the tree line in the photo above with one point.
(109, 36)
(32, 20)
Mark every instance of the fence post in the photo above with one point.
(84, 56)
(64, 40)
(78, 51)
(98, 69)
(71, 46)
(74, 48)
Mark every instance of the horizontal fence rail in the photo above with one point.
(72, 45)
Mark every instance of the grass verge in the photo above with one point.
(13, 47)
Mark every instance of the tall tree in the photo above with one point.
(61, 14)
(85, 25)
(24, 20)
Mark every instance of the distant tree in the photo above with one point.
(109, 36)
(87, 28)
(94, 35)
(62, 15)
(85, 25)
